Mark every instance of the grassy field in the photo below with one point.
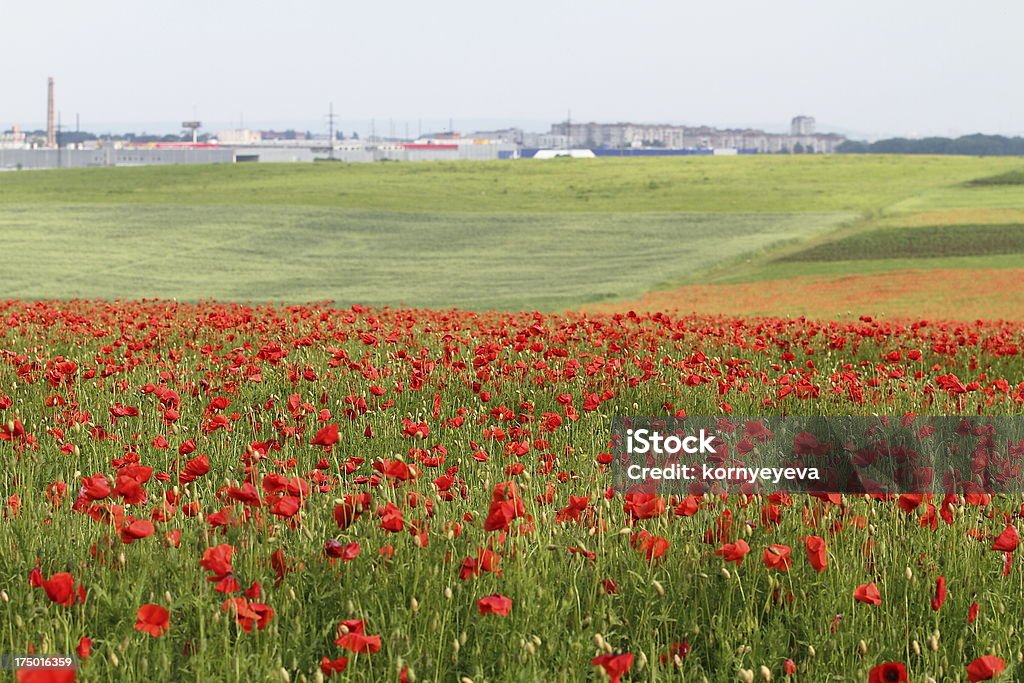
(509, 235)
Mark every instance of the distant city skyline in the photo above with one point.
(866, 70)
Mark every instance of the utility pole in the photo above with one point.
(330, 126)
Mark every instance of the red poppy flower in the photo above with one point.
(972, 612)
(777, 557)
(60, 588)
(327, 436)
(45, 676)
(816, 552)
(734, 552)
(217, 560)
(1007, 541)
(614, 665)
(139, 528)
(940, 593)
(890, 672)
(352, 636)
(153, 619)
(868, 594)
(495, 604)
(330, 667)
(985, 668)
(84, 647)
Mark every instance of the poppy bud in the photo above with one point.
(811, 652)
(285, 676)
(463, 637)
(746, 676)
(19, 622)
(3, 596)
(862, 648)
(909, 573)
(167, 597)
(933, 643)
(916, 647)
(766, 674)
(291, 593)
(114, 661)
(641, 661)
(598, 641)
(465, 679)
(414, 604)
(658, 588)
(318, 676)
(447, 593)
(76, 450)
(725, 573)
(121, 559)
(455, 646)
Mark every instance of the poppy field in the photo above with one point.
(302, 493)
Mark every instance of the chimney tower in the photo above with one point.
(51, 131)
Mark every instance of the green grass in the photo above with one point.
(1010, 178)
(480, 235)
(940, 241)
(759, 272)
(773, 184)
(477, 261)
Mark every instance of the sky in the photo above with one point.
(870, 68)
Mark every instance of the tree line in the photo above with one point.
(971, 145)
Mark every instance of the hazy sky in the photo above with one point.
(872, 66)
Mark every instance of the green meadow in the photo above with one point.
(545, 235)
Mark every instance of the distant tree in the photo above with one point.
(355, 135)
(798, 148)
(974, 145)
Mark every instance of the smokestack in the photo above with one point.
(51, 131)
